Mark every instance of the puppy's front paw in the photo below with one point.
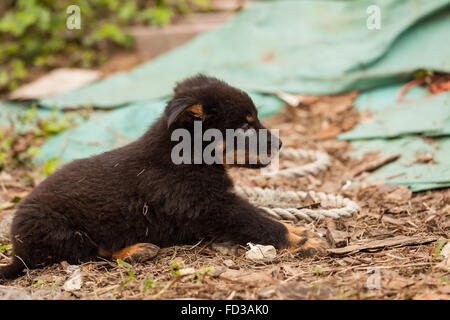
(304, 242)
(308, 247)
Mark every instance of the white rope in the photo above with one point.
(320, 161)
(286, 204)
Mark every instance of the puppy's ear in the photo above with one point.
(183, 110)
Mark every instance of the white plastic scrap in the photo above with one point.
(260, 252)
(74, 281)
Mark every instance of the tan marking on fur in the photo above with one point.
(248, 156)
(317, 244)
(293, 241)
(104, 253)
(196, 109)
(236, 153)
(299, 231)
(250, 118)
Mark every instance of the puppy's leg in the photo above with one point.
(139, 252)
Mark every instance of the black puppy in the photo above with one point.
(117, 204)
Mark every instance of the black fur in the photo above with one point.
(96, 204)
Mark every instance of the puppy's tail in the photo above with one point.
(12, 270)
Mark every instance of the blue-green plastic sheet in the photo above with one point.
(292, 46)
(406, 170)
(425, 115)
(401, 128)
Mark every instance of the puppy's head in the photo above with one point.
(228, 121)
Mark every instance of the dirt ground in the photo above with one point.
(395, 242)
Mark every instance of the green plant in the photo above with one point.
(130, 277)
(317, 271)
(175, 268)
(148, 283)
(18, 147)
(35, 35)
(49, 167)
(198, 276)
(5, 247)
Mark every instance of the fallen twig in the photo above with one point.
(399, 241)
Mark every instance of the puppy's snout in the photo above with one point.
(276, 142)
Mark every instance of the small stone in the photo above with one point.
(186, 271)
(216, 272)
(228, 262)
(225, 248)
(74, 282)
(261, 253)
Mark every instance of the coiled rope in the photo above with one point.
(286, 204)
(319, 161)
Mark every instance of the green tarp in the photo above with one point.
(292, 46)
(426, 115)
(399, 128)
(406, 170)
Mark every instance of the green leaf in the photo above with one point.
(175, 268)
(5, 247)
(113, 32)
(127, 10)
(3, 158)
(123, 264)
(6, 144)
(158, 16)
(3, 77)
(31, 113)
(148, 283)
(50, 166)
(16, 199)
(317, 272)
(33, 151)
